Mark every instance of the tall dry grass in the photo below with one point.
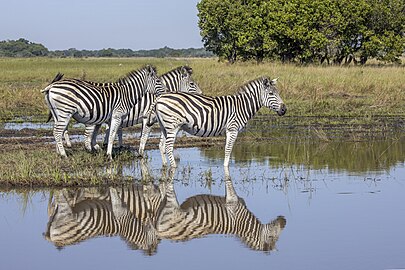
(307, 90)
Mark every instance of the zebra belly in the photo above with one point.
(199, 131)
(87, 119)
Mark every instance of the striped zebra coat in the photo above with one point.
(142, 215)
(93, 105)
(176, 80)
(206, 116)
(87, 213)
(202, 215)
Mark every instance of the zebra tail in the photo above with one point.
(58, 77)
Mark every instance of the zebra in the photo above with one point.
(143, 215)
(78, 216)
(93, 105)
(201, 215)
(176, 80)
(206, 116)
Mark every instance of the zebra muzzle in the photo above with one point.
(282, 110)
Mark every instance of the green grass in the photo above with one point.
(306, 90)
(41, 167)
(346, 97)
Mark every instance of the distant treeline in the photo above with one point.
(25, 48)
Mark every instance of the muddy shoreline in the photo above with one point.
(28, 157)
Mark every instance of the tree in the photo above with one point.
(306, 31)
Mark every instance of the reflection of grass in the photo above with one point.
(310, 90)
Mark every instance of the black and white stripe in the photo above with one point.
(208, 214)
(93, 105)
(85, 215)
(211, 116)
(176, 80)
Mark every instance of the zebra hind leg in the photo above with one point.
(231, 136)
(58, 130)
(67, 139)
(146, 129)
(169, 144)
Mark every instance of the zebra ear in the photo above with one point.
(186, 71)
(274, 81)
(266, 82)
(151, 70)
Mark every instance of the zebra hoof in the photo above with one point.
(96, 147)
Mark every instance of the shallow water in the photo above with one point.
(337, 205)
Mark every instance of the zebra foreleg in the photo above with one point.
(162, 148)
(107, 135)
(231, 136)
(90, 135)
(114, 125)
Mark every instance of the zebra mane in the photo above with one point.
(127, 78)
(246, 87)
(188, 69)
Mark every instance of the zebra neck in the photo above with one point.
(248, 104)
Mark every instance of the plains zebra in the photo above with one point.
(201, 215)
(211, 116)
(94, 105)
(176, 80)
(81, 215)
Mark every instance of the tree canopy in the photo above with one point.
(305, 31)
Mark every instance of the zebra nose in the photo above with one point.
(282, 110)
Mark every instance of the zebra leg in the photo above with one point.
(117, 205)
(119, 136)
(67, 139)
(230, 193)
(107, 134)
(144, 137)
(162, 148)
(90, 135)
(114, 125)
(231, 136)
(169, 144)
(58, 130)
(94, 145)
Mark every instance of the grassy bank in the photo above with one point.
(307, 91)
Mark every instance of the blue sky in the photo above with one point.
(97, 24)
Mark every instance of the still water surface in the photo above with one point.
(327, 206)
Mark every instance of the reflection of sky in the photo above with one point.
(334, 221)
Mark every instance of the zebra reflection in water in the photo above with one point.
(143, 215)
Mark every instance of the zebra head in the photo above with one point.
(271, 98)
(187, 83)
(180, 80)
(153, 83)
(267, 235)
